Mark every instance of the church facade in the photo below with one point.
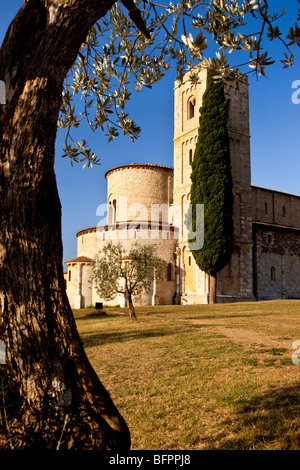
(146, 203)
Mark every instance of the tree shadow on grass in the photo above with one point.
(269, 421)
(98, 339)
(93, 315)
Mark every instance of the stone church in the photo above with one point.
(146, 204)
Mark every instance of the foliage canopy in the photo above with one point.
(127, 272)
(212, 181)
(120, 55)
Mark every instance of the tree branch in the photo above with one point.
(136, 17)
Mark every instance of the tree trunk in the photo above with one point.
(131, 306)
(212, 289)
(46, 361)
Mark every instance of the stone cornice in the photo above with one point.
(153, 166)
(134, 224)
(276, 226)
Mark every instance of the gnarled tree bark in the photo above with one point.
(46, 361)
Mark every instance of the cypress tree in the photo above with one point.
(212, 183)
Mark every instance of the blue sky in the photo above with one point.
(274, 128)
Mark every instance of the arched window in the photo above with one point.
(273, 274)
(114, 211)
(109, 213)
(191, 107)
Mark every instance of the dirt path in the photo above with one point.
(251, 338)
(246, 336)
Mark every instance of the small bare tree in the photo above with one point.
(117, 271)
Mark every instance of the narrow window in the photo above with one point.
(109, 214)
(114, 214)
(283, 211)
(191, 108)
(69, 275)
(169, 272)
(190, 156)
(273, 274)
(266, 207)
(182, 164)
(190, 260)
(269, 239)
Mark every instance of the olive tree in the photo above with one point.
(127, 272)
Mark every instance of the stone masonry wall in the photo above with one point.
(275, 207)
(136, 188)
(276, 262)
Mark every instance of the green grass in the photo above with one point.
(201, 377)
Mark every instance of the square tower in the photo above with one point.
(235, 281)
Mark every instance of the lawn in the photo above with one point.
(201, 377)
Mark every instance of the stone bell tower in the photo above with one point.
(235, 281)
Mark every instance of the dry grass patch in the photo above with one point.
(201, 377)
